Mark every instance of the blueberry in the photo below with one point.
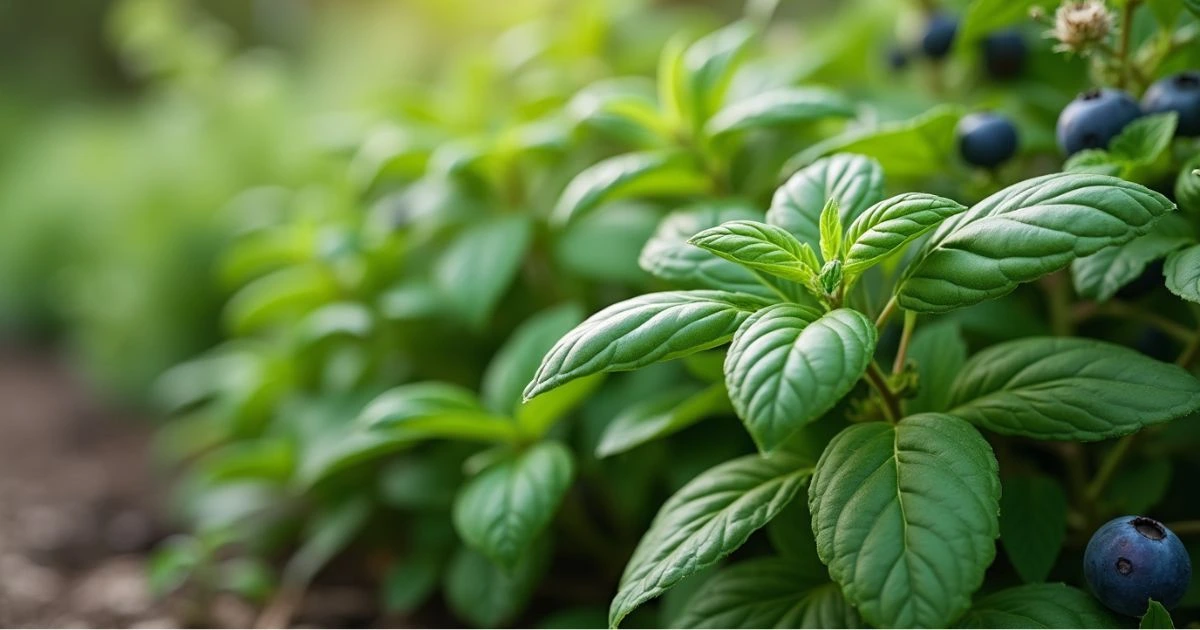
(1178, 93)
(1132, 559)
(939, 35)
(1004, 54)
(986, 140)
(1094, 118)
(897, 58)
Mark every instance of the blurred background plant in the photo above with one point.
(361, 214)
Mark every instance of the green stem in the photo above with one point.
(910, 323)
(891, 404)
(1190, 353)
(1108, 467)
(1059, 297)
(1126, 33)
(886, 313)
(1116, 308)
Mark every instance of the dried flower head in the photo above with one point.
(1080, 23)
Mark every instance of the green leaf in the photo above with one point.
(326, 534)
(279, 297)
(667, 255)
(906, 517)
(643, 330)
(782, 106)
(708, 67)
(1038, 606)
(1140, 486)
(672, 97)
(536, 415)
(1187, 185)
(939, 352)
(760, 247)
(768, 593)
(624, 108)
(1145, 139)
(661, 416)
(788, 365)
(915, 148)
(1102, 274)
(1193, 6)
(1156, 617)
(476, 269)
(435, 410)
(504, 509)
(1070, 389)
(1024, 232)
(831, 231)
(487, 596)
(1166, 12)
(340, 319)
(1033, 524)
(854, 181)
(1183, 273)
(791, 535)
(649, 173)
(886, 227)
(410, 582)
(705, 521)
(1095, 161)
(985, 16)
(517, 360)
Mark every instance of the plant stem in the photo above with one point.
(1116, 308)
(1184, 528)
(1190, 353)
(910, 323)
(1059, 298)
(1108, 467)
(1126, 32)
(891, 404)
(886, 313)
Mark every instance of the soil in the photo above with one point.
(78, 503)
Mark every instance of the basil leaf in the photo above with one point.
(1183, 273)
(1193, 6)
(503, 510)
(831, 231)
(1102, 274)
(1033, 524)
(906, 517)
(1022, 233)
(708, 67)
(643, 330)
(487, 596)
(1059, 388)
(854, 181)
(939, 352)
(435, 410)
(1187, 185)
(782, 106)
(535, 416)
(517, 360)
(476, 269)
(918, 147)
(886, 227)
(788, 365)
(668, 255)
(1053, 605)
(661, 416)
(1096, 161)
(768, 593)
(279, 296)
(1145, 139)
(1156, 617)
(622, 107)
(665, 172)
(705, 521)
(760, 247)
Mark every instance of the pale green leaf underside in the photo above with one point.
(1052, 605)
(757, 246)
(1059, 388)
(886, 227)
(643, 330)
(631, 174)
(667, 255)
(905, 517)
(783, 106)
(768, 593)
(854, 181)
(705, 521)
(503, 510)
(1183, 273)
(1102, 274)
(1024, 232)
(789, 365)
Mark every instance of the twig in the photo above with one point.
(891, 404)
(910, 322)
(887, 311)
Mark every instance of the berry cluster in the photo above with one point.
(1095, 117)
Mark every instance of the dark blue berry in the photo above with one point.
(1094, 118)
(1178, 93)
(897, 58)
(1133, 559)
(939, 35)
(986, 140)
(1004, 54)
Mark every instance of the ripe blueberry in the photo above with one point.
(1004, 54)
(939, 35)
(1133, 559)
(1094, 118)
(986, 140)
(1178, 93)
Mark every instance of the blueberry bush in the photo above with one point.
(854, 314)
